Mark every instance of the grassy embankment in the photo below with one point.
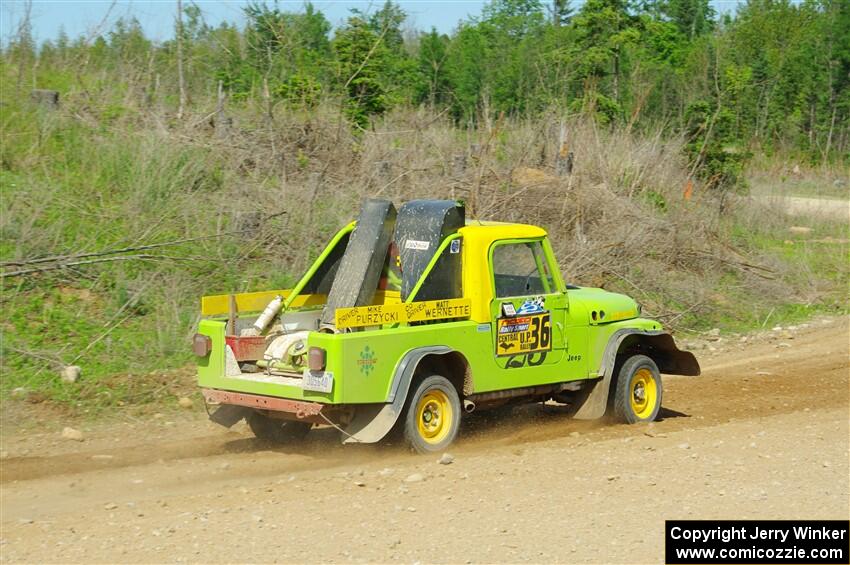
(258, 200)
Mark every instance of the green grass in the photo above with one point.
(808, 276)
(815, 267)
(72, 187)
(48, 328)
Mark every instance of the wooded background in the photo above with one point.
(771, 76)
(137, 176)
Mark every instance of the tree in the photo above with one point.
(63, 44)
(363, 61)
(287, 52)
(386, 23)
(561, 12)
(605, 28)
(514, 18)
(128, 43)
(264, 34)
(834, 30)
(715, 148)
(181, 80)
(22, 47)
(692, 17)
(465, 67)
(434, 86)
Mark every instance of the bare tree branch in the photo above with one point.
(58, 258)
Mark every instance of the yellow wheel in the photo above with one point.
(644, 393)
(637, 397)
(433, 415)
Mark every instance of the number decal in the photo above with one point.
(535, 333)
(515, 361)
(520, 335)
(534, 362)
(530, 359)
(545, 333)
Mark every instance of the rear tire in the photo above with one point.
(637, 397)
(277, 431)
(432, 418)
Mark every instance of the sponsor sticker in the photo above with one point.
(367, 360)
(514, 325)
(524, 334)
(532, 305)
(417, 245)
(454, 246)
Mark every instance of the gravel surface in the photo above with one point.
(762, 434)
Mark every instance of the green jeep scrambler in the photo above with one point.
(412, 318)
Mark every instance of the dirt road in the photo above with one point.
(827, 208)
(762, 434)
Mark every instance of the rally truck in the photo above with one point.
(413, 317)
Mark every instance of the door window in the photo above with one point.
(520, 269)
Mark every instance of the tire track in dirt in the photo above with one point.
(763, 380)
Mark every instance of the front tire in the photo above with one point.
(277, 431)
(432, 419)
(637, 397)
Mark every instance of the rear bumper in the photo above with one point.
(299, 408)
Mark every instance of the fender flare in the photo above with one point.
(373, 421)
(670, 359)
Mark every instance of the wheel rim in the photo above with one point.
(644, 393)
(434, 416)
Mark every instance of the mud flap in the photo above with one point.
(593, 400)
(371, 423)
(228, 414)
(658, 345)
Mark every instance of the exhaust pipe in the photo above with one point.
(469, 406)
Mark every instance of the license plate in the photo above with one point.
(319, 381)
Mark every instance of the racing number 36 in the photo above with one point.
(541, 333)
(528, 347)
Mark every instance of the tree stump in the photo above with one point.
(564, 163)
(564, 159)
(45, 98)
(458, 164)
(222, 124)
(382, 170)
